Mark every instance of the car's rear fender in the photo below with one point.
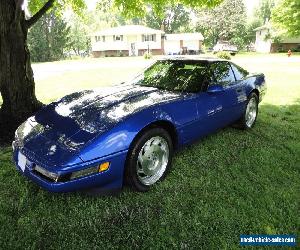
(256, 83)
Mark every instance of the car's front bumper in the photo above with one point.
(110, 179)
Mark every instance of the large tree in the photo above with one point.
(49, 38)
(17, 85)
(79, 35)
(225, 22)
(286, 15)
(264, 9)
(262, 14)
(174, 19)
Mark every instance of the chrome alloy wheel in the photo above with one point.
(152, 160)
(251, 112)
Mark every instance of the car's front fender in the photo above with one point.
(123, 133)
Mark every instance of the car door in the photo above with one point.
(241, 83)
(209, 105)
(214, 110)
(192, 74)
(205, 120)
(228, 102)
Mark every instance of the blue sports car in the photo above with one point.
(128, 133)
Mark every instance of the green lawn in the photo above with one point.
(230, 183)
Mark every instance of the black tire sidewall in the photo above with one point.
(131, 177)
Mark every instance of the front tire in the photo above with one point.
(149, 159)
(249, 117)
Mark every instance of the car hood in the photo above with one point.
(76, 119)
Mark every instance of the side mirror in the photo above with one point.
(216, 88)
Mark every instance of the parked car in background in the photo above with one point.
(250, 47)
(225, 46)
(210, 49)
(128, 132)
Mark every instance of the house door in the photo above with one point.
(133, 50)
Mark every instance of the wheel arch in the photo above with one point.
(166, 125)
(255, 91)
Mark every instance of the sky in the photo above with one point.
(250, 4)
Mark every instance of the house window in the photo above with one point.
(118, 38)
(260, 33)
(103, 38)
(98, 38)
(149, 38)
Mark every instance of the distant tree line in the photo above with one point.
(53, 38)
(49, 38)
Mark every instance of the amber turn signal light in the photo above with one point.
(104, 166)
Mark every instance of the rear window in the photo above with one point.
(223, 73)
(239, 72)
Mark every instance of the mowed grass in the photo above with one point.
(70, 76)
(230, 183)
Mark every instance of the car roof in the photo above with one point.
(193, 58)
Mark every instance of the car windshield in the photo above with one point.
(182, 76)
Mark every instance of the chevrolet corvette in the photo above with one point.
(129, 132)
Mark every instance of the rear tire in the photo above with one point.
(247, 121)
(149, 159)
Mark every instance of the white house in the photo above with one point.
(185, 43)
(135, 40)
(264, 44)
(128, 40)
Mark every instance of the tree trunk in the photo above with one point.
(17, 85)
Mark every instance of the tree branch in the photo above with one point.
(30, 22)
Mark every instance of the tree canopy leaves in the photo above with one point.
(174, 19)
(264, 10)
(76, 5)
(139, 7)
(286, 15)
(132, 8)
